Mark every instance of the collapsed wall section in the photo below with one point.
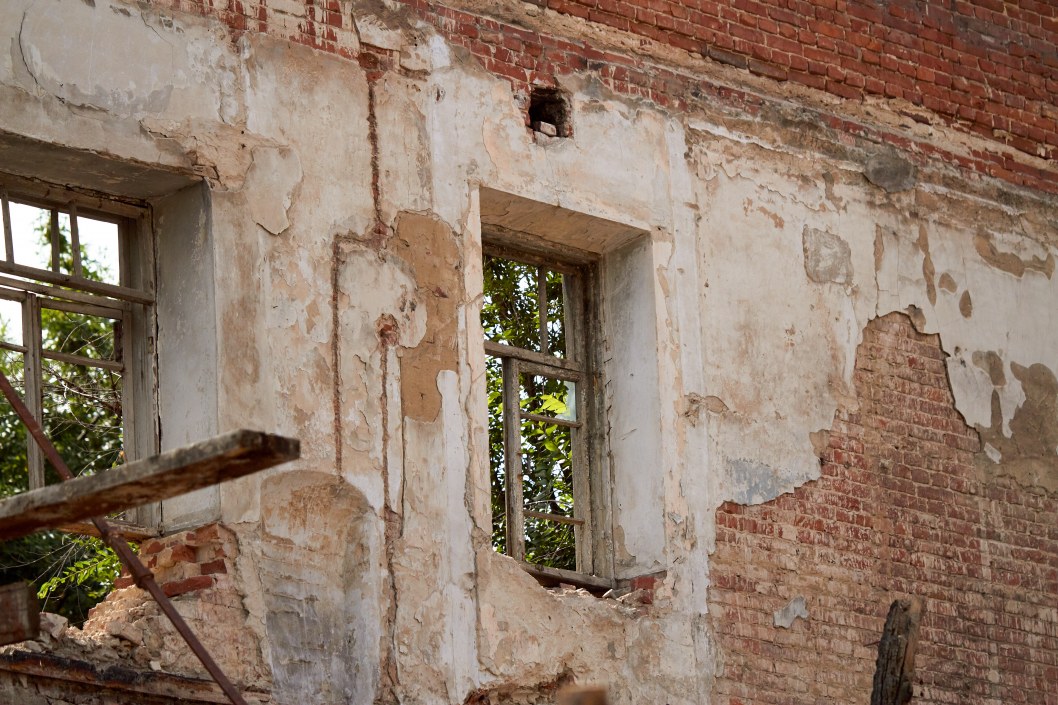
(802, 583)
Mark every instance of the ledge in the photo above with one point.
(68, 676)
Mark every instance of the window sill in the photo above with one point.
(553, 577)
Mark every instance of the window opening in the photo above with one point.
(549, 112)
(537, 377)
(65, 302)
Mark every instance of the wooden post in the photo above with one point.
(894, 673)
(19, 613)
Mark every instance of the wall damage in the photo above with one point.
(779, 260)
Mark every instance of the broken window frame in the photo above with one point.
(577, 365)
(130, 304)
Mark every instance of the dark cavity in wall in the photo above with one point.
(549, 112)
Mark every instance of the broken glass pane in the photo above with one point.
(99, 250)
(94, 337)
(510, 313)
(11, 321)
(82, 416)
(498, 474)
(556, 314)
(547, 472)
(12, 432)
(30, 235)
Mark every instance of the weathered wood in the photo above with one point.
(19, 613)
(133, 533)
(894, 673)
(555, 576)
(159, 477)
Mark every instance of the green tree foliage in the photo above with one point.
(82, 417)
(510, 315)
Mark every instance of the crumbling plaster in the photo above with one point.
(366, 565)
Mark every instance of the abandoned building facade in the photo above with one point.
(657, 344)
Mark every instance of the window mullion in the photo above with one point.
(582, 507)
(9, 239)
(55, 240)
(33, 377)
(75, 241)
(512, 454)
(541, 305)
(571, 319)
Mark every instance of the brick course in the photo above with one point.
(188, 561)
(991, 67)
(994, 77)
(900, 509)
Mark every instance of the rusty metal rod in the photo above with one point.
(144, 578)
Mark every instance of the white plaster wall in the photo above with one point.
(366, 565)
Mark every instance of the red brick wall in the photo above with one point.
(899, 510)
(989, 65)
(1013, 104)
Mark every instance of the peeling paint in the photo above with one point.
(431, 251)
(742, 252)
(1011, 262)
(828, 258)
(1030, 452)
(273, 172)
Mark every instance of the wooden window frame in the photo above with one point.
(131, 301)
(579, 365)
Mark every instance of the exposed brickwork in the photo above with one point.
(989, 65)
(526, 57)
(187, 561)
(899, 510)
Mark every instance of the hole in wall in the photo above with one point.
(549, 112)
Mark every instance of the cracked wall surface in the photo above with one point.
(325, 197)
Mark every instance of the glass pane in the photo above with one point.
(94, 337)
(82, 416)
(99, 250)
(498, 475)
(29, 235)
(14, 473)
(11, 321)
(510, 312)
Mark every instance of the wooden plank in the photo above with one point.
(75, 680)
(159, 477)
(550, 420)
(19, 613)
(133, 533)
(114, 291)
(894, 673)
(551, 362)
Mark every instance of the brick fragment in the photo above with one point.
(179, 587)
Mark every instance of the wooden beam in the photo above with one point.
(133, 533)
(894, 673)
(159, 477)
(19, 613)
